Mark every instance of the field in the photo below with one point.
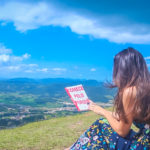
(29, 100)
(53, 134)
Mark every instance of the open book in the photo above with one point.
(78, 96)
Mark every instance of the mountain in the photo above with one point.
(37, 92)
(58, 80)
(52, 80)
(19, 80)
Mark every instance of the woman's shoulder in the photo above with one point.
(130, 92)
(131, 89)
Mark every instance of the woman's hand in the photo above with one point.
(95, 108)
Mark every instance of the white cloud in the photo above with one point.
(16, 58)
(26, 56)
(11, 63)
(29, 71)
(42, 70)
(11, 58)
(5, 69)
(3, 23)
(20, 68)
(146, 58)
(33, 65)
(59, 69)
(93, 69)
(4, 58)
(28, 65)
(4, 50)
(28, 16)
(45, 69)
(13, 67)
(80, 37)
(148, 65)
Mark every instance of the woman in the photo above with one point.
(131, 105)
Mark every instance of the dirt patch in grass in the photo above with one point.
(88, 114)
(74, 125)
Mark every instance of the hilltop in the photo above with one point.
(53, 134)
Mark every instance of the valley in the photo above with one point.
(24, 100)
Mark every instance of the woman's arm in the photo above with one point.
(120, 127)
(113, 114)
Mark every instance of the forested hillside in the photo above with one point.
(45, 91)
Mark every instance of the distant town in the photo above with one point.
(28, 110)
(19, 114)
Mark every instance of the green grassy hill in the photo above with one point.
(53, 134)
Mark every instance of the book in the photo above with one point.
(78, 96)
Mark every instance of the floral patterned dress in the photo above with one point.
(101, 136)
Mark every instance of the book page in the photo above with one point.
(78, 96)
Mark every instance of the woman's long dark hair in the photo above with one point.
(130, 70)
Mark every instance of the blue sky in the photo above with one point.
(70, 39)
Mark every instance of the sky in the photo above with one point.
(70, 38)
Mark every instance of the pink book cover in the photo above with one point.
(78, 96)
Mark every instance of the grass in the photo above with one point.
(53, 134)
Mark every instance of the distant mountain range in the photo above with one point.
(52, 80)
(52, 90)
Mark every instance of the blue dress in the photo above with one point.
(101, 136)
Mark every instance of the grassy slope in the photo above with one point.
(54, 134)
